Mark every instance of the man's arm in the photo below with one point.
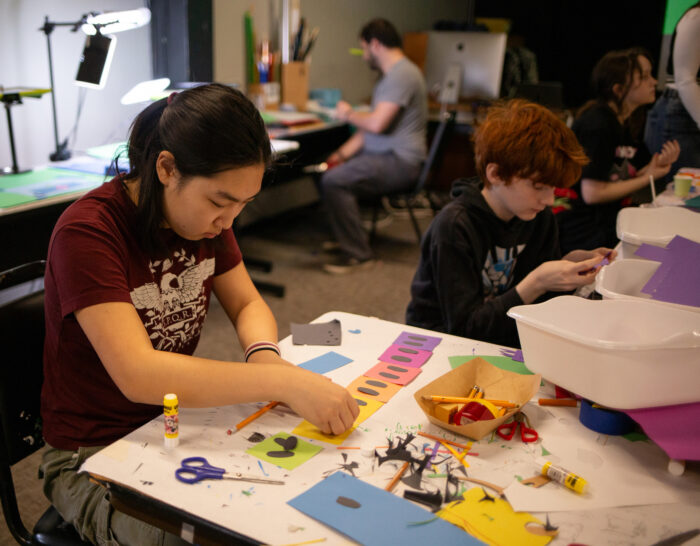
(375, 121)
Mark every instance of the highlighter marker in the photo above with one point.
(561, 475)
(172, 423)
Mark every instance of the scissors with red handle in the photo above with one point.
(527, 434)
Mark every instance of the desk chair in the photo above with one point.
(447, 120)
(21, 375)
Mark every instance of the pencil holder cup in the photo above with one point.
(327, 97)
(496, 383)
(266, 96)
(682, 184)
(295, 84)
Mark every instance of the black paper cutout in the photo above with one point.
(375, 383)
(347, 467)
(414, 343)
(487, 497)
(365, 390)
(256, 437)
(288, 444)
(407, 350)
(280, 454)
(418, 338)
(388, 375)
(349, 503)
(360, 402)
(432, 500)
(397, 369)
(401, 358)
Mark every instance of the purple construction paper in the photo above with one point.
(676, 429)
(677, 277)
(373, 516)
(326, 362)
(417, 341)
(405, 356)
(651, 252)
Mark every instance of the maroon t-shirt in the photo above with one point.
(95, 257)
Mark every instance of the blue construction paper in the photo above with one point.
(326, 362)
(382, 518)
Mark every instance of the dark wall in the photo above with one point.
(569, 36)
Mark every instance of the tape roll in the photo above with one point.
(605, 421)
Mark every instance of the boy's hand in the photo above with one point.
(601, 252)
(557, 276)
(328, 406)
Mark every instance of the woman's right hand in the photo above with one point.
(321, 402)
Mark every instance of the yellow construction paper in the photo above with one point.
(494, 521)
(307, 430)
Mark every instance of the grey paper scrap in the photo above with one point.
(326, 333)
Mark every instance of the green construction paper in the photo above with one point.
(302, 453)
(13, 199)
(545, 452)
(502, 362)
(635, 436)
(674, 10)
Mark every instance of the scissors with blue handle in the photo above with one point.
(196, 469)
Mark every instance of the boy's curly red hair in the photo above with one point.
(529, 141)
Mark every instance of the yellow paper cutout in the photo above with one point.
(493, 521)
(307, 430)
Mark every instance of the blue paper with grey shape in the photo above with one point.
(370, 515)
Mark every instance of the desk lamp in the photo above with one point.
(91, 24)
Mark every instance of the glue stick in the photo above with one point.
(562, 476)
(172, 423)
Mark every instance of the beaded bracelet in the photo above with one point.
(261, 346)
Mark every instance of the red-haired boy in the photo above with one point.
(496, 244)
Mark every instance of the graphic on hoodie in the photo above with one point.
(497, 272)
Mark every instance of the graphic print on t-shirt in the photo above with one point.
(497, 273)
(621, 168)
(173, 307)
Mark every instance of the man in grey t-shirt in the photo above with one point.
(385, 153)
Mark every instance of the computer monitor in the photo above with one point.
(479, 56)
(95, 61)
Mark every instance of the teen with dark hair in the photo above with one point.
(386, 152)
(610, 130)
(131, 267)
(495, 245)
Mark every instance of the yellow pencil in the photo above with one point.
(465, 400)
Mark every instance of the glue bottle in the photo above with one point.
(561, 475)
(172, 424)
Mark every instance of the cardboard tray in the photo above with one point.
(497, 383)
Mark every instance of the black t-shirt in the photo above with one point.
(615, 155)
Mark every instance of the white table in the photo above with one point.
(140, 461)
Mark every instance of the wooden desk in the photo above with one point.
(144, 471)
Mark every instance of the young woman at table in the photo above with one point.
(610, 130)
(131, 266)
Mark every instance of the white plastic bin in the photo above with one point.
(655, 226)
(620, 353)
(626, 278)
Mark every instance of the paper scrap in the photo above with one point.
(405, 356)
(401, 375)
(502, 362)
(324, 333)
(326, 362)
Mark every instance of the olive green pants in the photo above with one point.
(86, 506)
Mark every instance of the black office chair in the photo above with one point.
(409, 199)
(21, 374)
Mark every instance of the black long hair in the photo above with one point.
(208, 129)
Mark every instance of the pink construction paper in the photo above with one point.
(676, 429)
(393, 373)
(405, 356)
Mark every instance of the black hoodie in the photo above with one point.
(464, 247)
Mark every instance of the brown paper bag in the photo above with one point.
(497, 384)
